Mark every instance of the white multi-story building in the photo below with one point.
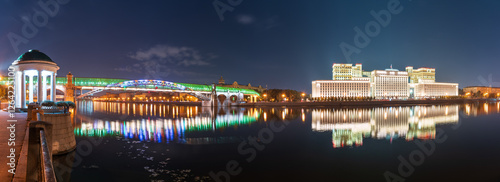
(389, 83)
(341, 88)
(352, 81)
(430, 89)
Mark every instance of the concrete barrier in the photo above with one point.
(63, 137)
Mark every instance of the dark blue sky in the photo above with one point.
(280, 43)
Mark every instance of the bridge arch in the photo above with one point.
(149, 84)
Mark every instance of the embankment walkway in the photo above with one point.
(6, 134)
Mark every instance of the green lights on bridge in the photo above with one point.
(103, 82)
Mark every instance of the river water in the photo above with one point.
(160, 142)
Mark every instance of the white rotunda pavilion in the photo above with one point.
(34, 65)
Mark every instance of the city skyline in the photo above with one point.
(258, 42)
(249, 90)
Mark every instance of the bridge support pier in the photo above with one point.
(70, 89)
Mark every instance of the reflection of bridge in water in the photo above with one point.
(350, 126)
(158, 122)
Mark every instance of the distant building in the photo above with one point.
(429, 88)
(423, 84)
(346, 71)
(389, 83)
(235, 84)
(482, 89)
(347, 81)
(366, 74)
(352, 81)
(341, 88)
(421, 74)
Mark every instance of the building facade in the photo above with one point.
(341, 88)
(482, 89)
(353, 81)
(342, 71)
(235, 84)
(421, 74)
(389, 84)
(430, 89)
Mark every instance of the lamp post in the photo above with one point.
(283, 95)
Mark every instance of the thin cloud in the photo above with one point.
(185, 56)
(245, 19)
(162, 61)
(259, 24)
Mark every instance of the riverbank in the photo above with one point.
(361, 103)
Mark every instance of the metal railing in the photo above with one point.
(47, 171)
(39, 158)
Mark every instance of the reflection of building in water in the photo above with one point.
(165, 124)
(390, 122)
(475, 109)
(350, 126)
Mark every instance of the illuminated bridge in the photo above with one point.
(89, 86)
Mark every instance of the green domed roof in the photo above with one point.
(34, 55)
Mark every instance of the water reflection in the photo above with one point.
(158, 122)
(349, 126)
(136, 136)
(478, 108)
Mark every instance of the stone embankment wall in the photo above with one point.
(63, 137)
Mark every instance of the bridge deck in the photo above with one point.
(104, 82)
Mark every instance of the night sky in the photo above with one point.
(279, 43)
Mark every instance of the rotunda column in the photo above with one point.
(30, 88)
(44, 87)
(53, 86)
(23, 89)
(17, 87)
(39, 97)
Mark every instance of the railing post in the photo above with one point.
(30, 109)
